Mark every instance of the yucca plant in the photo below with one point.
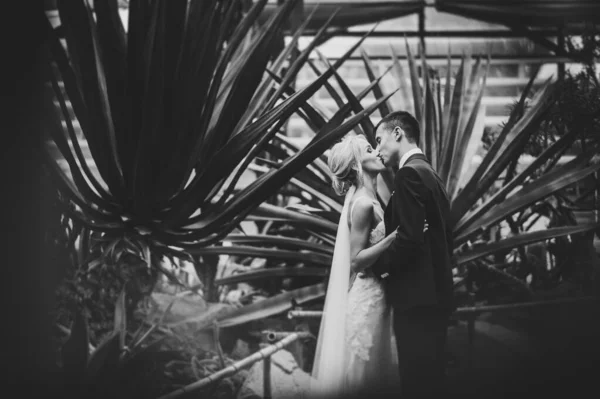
(174, 110)
(497, 193)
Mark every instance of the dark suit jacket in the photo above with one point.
(419, 264)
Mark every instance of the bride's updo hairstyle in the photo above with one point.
(344, 162)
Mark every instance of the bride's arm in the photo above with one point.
(362, 255)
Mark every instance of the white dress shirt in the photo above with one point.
(408, 155)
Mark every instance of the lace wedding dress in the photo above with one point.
(356, 351)
(371, 350)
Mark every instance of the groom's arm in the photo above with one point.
(410, 210)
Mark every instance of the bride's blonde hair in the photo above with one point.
(344, 162)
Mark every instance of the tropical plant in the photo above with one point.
(177, 109)
(174, 111)
(495, 206)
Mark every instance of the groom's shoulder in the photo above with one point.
(408, 174)
(420, 167)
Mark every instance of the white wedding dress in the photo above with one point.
(356, 353)
(371, 349)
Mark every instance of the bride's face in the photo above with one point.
(371, 160)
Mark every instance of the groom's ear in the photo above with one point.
(398, 133)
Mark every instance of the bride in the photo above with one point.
(355, 352)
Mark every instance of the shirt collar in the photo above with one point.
(408, 155)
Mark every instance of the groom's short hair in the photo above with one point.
(406, 121)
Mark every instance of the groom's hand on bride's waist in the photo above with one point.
(372, 273)
(368, 272)
(380, 270)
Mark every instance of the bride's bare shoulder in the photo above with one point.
(361, 210)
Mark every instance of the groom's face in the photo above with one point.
(387, 144)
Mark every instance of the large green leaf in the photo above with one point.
(322, 140)
(293, 69)
(429, 117)
(82, 42)
(236, 209)
(267, 253)
(451, 126)
(236, 149)
(508, 146)
(400, 77)
(279, 241)
(113, 48)
(272, 211)
(199, 80)
(531, 193)
(447, 97)
(284, 84)
(243, 87)
(318, 163)
(78, 166)
(66, 186)
(152, 112)
(471, 109)
(335, 96)
(384, 109)
(415, 85)
(264, 90)
(328, 201)
(501, 194)
(159, 104)
(522, 239)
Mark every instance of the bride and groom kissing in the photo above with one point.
(389, 295)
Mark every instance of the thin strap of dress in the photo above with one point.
(378, 209)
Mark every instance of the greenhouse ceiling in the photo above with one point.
(509, 30)
(544, 23)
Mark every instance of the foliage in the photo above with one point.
(495, 205)
(123, 365)
(175, 111)
(500, 194)
(587, 48)
(95, 290)
(179, 108)
(578, 105)
(168, 169)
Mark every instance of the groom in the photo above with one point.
(416, 268)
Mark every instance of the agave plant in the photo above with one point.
(174, 110)
(497, 194)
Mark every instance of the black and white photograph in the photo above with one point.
(244, 199)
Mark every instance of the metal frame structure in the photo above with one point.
(549, 30)
(538, 30)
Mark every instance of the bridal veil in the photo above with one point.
(329, 366)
